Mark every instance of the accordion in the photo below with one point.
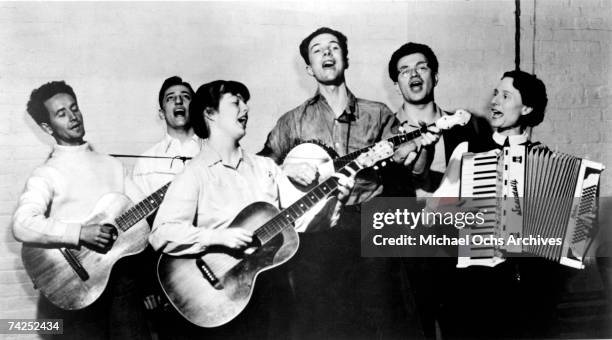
(537, 202)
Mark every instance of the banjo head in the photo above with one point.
(315, 155)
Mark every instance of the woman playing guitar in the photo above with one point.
(214, 187)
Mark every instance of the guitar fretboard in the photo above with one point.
(286, 217)
(139, 211)
(396, 140)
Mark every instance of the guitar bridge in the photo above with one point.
(208, 274)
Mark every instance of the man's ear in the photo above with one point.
(46, 128)
(309, 70)
(436, 79)
(526, 110)
(162, 114)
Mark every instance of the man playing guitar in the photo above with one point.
(63, 190)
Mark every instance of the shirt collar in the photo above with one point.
(211, 157)
(169, 140)
(512, 140)
(72, 148)
(411, 121)
(351, 105)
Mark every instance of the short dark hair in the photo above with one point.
(168, 83)
(533, 94)
(408, 49)
(207, 97)
(341, 40)
(36, 105)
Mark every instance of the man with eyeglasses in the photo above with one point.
(414, 70)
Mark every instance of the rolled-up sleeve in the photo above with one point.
(173, 230)
(30, 221)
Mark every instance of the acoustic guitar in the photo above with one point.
(327, 161)
(211, 288)
(74, 278)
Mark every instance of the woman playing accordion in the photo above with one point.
(516, 296)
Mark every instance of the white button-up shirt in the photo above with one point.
(151, 174)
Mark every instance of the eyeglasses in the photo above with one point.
(420, 69)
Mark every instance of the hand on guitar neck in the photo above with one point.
(98, 237)
(407, 153)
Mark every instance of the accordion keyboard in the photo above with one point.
(479, 173)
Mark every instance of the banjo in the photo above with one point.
(327, 161)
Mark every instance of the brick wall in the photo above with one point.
(116, 56)
(570, 50)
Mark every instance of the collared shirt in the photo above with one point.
(151, 174)
(512, 140)
(62, 193)
(208, 194)
(362, 124)
(427, 168)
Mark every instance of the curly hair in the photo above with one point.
(36, 105)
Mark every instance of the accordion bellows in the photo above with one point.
(530, 193)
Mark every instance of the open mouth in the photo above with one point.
(328, 63)
(75, 126)
(180, 111)
(496, 114)
(243, 120)
(416, 84)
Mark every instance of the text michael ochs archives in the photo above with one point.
(404, 227)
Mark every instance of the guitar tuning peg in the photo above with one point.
(376, 167)
(383, 163)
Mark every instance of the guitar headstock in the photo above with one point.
(379, 152)
(461, 117)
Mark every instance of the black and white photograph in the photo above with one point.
(372, 169)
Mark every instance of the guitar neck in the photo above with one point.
(396, 140)
(287, 217)
(141, 210)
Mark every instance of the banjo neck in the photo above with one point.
(395, 140)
